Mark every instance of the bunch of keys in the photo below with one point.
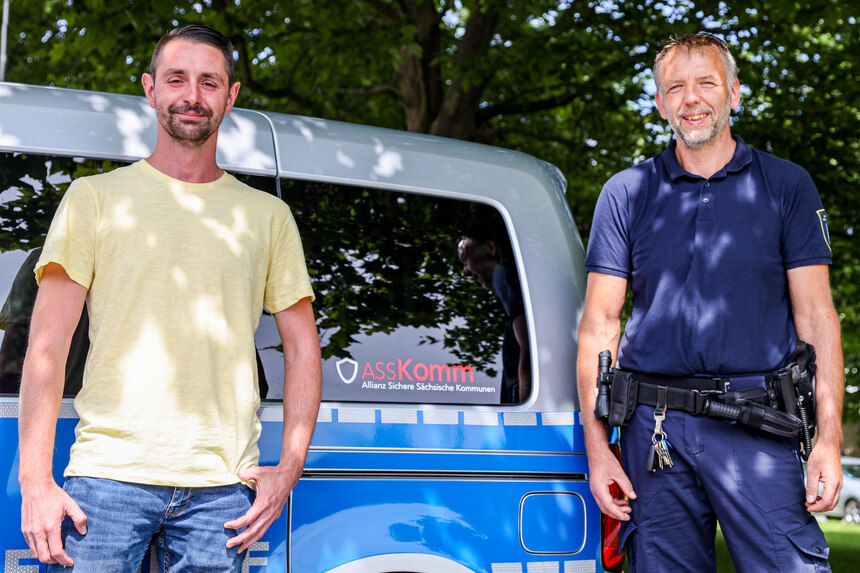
(659, 452)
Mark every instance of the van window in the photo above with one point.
(416, 297)
(31, 187)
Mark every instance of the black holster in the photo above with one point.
(795, 386)
(622, 398)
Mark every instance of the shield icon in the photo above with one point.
(344, 365)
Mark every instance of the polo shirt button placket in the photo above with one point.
(706, 197)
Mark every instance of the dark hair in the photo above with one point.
(491, 228)
(202, 35)
(698, 41)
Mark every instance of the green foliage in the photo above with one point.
(565, 81)
(32, 189)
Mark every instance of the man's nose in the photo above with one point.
(691, 94)
(192, 93)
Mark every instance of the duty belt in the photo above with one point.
(783, 404)
(692, 394)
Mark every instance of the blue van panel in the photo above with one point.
(366, 427)
(475, 523)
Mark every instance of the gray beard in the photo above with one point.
(721, 121)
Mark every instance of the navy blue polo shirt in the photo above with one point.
(706, 260)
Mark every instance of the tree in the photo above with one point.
(568, 82)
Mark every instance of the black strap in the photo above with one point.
(693, 400)
(715, 384)
(751, 407)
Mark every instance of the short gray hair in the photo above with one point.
(698, 41)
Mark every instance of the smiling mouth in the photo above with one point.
(189, 112)
(697, 117)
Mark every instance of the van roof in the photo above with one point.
(69, 122)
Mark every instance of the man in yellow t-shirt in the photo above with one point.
(175, 260)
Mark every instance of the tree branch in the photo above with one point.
(239, 42)
(570, 93)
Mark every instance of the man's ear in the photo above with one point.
(231, 96)
(735, 92)
(148, 88)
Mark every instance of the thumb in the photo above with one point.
(626, 485)
(248, 474)
(812, 485)
(78, 517)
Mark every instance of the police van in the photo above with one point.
(449, 282)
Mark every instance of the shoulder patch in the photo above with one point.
(822, 218)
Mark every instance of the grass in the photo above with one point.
(843, 538)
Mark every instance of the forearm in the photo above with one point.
(525, 375)
(599, 330)
(302, 389)
(816, 322)
(39, 405)
(822, 330)
(55, 316)
(524, 366)
(594, 337)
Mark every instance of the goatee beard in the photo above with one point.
(188, 135)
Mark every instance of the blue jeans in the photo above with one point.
(184, 525)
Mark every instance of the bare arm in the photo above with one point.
(524, 368)
(44, 505)
(817, 323)
(302, 389)
(599, 330)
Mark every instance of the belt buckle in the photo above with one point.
(727, 384)
(700, 397)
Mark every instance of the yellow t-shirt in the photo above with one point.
(177, 276)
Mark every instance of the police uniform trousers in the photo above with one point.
(752, 483)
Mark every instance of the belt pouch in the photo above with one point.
(622, 399)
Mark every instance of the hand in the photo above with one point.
(604, 469)
(825, 467)
(42, 512)
(274, 484)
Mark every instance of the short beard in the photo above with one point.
(719, 123)
(185, 135)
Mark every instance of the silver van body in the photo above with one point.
(511, 477)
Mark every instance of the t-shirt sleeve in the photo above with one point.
(806, 240)
(288, 281)
(506, 284)
(71, 237)
(608, 243)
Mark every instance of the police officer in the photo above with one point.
(725, 249)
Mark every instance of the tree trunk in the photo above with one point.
(417, 78)
(457, 117)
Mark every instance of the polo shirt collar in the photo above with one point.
(741, 158)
